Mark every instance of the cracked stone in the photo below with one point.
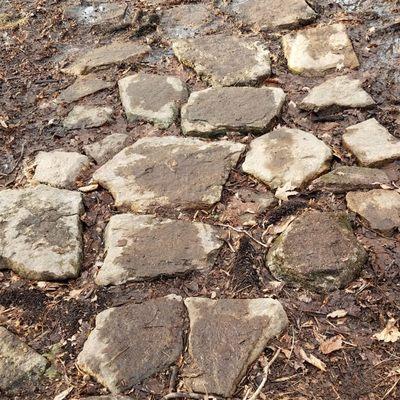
(81, 117)
(106, 148)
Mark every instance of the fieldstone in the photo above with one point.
(371, 143)
(81, 117)
(225, 60)
(379, 207)
(152, 98)
(132, 342)
(316, 51)
(318, 250)
(41, 236)
(218, 110)
(287, 158)
(169, 171)
(106, 148)
(226, 337)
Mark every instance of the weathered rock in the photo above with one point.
(341, 91)
(133, 342)
(379, 207)
(40, 236)
(245, 109)
(81, 117)
(287, 158)
(106, 148)
(153, 98)
(225, 60)
(169, 171)
(318, 251)
(141, 247)
(316, 51)
(371, 143)
(226, 337)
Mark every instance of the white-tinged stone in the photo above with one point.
(81, 117)
(106, 148)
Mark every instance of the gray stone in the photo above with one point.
(317, 251)
(81, 117)
(218, 110)
(226, 337)
(132, 342)
(225, 60)
(169, 171)
(40, 236)
(153, 98)
(319, 50)
(106, 148)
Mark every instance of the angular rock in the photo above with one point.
(225, 60)
(318, 250)
(217, 110)
(141, 247)
(106, 148)
(316, 51)
(40, 236)
(132, 342)
(287, 158)
(153, 98)
(371, 143)
(81, 117)
(226, 337)
(169, 171)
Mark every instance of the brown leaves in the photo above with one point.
(316, 362)
(332, 344)
(390, 333)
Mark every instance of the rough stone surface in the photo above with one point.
(225, 60)
(287, 158)
(317, 251)
(380, 208)
(226, 337)
(169, 171)
(40, 236)
(132, 342)
(153, 98)
(81, 117)
(106, 148)
(316, 51)
(371, 143)
(217, 110)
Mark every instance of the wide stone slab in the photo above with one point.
(132, 342)
(318, 250)
(81, 117)
(225, 60)
(106, 148)
(226, 337)
(215, 111)
(316, 51)
(169, 171)
(287, 158)
(40, 232)
(140, 247)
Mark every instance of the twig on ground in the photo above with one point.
(391, 389)
(172, 380)
(182, 395)
(238, 230)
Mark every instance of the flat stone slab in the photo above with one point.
(41, 237)
(342, 91)
(371, 143)
(225, 60)
(106, 148)
(316, 51)
(287, 158)
(132, 342)
(81, 117)
(379, 207)
(169, 171)
(226, 337)
(318, 250)
(141, 247)
(153, 98)
(215, 111)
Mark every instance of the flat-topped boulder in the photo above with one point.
(106, 148)
(81, 117)
(215, 111)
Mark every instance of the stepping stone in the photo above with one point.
(20, 365)
(59, 168)
(169, 171)
(141, 247)
(371, 143)
(341, 91)
(226, 337)
(81, 117)
(215, 111)
(133, 342)
(287, 158)
(225, 60)
(41, 235)
(317, 251)
(380, 208)
(153, 98)
(319, 50)
(106, 148)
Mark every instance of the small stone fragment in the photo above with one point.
(106, 148)
(81, 117)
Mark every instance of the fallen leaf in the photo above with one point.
(88, 188)
(316, 362)
(64, 394)
(330, 345)
(337, 314)
(390, 333)
(279, 228)
(285, 191)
